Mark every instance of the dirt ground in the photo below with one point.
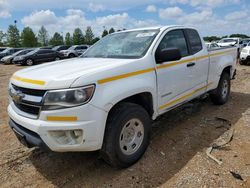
(176, 156)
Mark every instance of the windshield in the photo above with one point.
(21, 52)
(32, 52)
(6, 50)
(72, 48)
(56, 48)
(132, 44)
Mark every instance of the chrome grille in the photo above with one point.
(30, 102)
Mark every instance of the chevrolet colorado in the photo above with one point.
(105, 100)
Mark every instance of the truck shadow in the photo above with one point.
(177, 136)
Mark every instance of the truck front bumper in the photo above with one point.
(85, 134)
(27, 137)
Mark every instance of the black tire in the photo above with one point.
(29, 62)
(117, 121)
(72, 55)
(57, 58)
(221, 94)
(242, 62)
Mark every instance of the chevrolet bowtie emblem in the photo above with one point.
(17, 96)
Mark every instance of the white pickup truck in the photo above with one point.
(105, 100)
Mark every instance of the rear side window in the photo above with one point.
(194, 40)
(41, 51)
(174, 39)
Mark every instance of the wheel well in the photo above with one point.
(143, 99)
(227, 70)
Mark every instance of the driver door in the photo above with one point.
(174, 78)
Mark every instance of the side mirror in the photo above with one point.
(167, 54)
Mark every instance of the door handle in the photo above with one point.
(191, 64)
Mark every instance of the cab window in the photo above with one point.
(194, 40)
(174, 39)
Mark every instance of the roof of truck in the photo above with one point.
(156, 27)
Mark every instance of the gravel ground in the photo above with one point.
(176, 156)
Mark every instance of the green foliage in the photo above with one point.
(28, 38)
(112, 30)
(43, 36)
(104, 33)
(239, 36)
(211, 38)
(78, 37)
(2, 37)
(68, 39)
(56, 40)
(95, 40)
(13, 36)
(89, 36)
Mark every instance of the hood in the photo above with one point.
(62, 74)
(7, 57)
(19, 57)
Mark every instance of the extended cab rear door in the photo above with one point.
(199, 69)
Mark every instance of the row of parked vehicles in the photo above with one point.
(31, 56)
(243, 46)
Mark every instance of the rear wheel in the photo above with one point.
(29, 62)
(71, 56)
(127, 135)
(57, 58)
(221, 94)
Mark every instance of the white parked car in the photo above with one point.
(226, 42)
(212, 45)
(105, 100)
(245, 55)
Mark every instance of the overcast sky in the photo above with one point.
(211, 17)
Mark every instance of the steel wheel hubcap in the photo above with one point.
(224, 89)
(131, 136)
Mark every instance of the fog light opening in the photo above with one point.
(69, 137)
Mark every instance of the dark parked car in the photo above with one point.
(61, 47)
(37, 56)
(9, 58)
(9, 51)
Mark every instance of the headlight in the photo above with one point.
(66, 98)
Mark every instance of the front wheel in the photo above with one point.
(57, 58)
(127, 135)
(221, 94)
(29, 62)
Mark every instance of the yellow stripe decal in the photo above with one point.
(126, 75)
(61, 118)
(113, 78)
(191, 59)
(37, 82)
(183, 97)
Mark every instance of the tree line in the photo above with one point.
(27, 38)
